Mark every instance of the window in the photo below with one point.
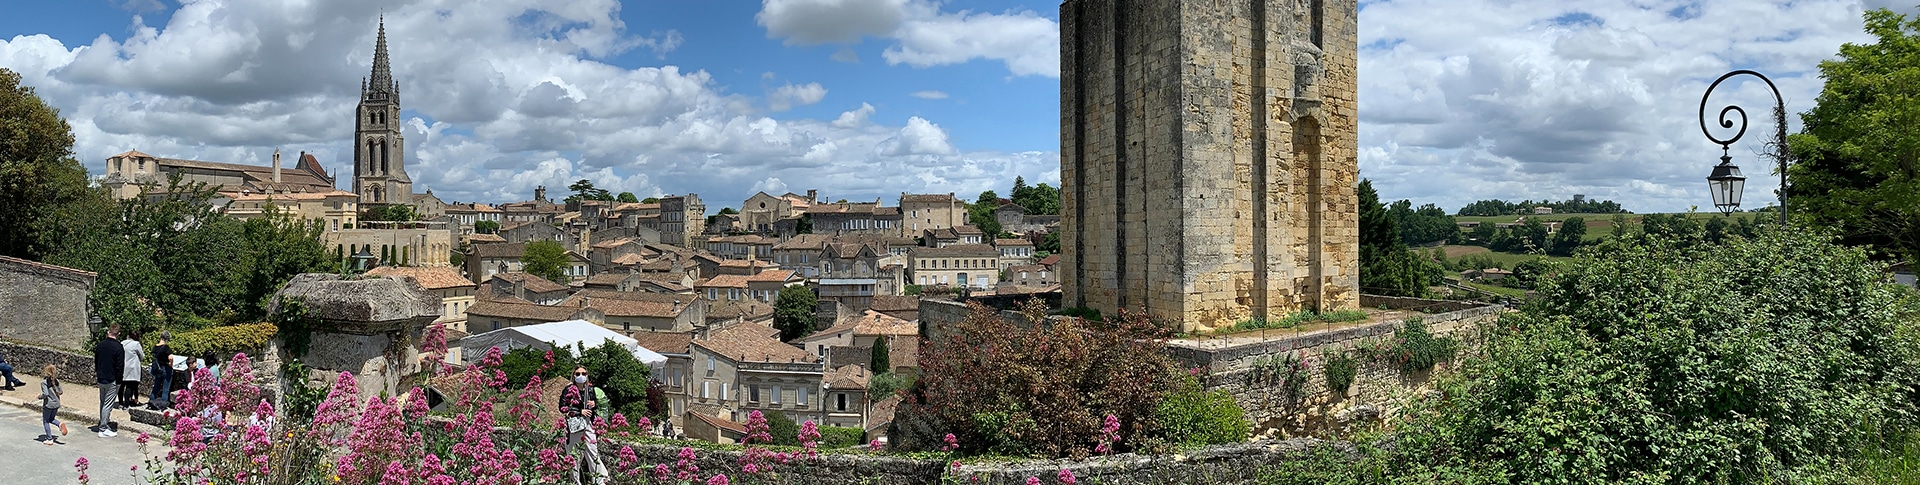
(776, 394)
(706, 388)
(753, 394)
(802, 397)
(723, 391)
(713, 294)
(840, 402)
(709, 364)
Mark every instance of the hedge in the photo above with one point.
(224, 341)
(839, 437)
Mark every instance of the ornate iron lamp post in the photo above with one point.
(1726, 183)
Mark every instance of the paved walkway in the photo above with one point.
(29, 461)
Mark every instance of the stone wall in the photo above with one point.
(45, 304)
(1247, 370)
(76, 372)
(1417, 304)
(1208, 157)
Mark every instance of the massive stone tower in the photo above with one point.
(379, 152)
(1208, 157)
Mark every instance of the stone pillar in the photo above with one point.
(368, 327)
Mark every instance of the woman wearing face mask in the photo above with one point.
(579, 403)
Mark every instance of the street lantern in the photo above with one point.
(1726, 181)
(1726, 184)
(361, 259)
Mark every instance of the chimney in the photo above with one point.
(813, 195)
(276, 165)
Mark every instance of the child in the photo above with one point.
(50, 404)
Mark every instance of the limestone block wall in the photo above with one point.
(44, 304)
(1208, 157)
(1314, 408)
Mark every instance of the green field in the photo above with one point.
(1598, 225)
(1506, 260)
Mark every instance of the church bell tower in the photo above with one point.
(379, 152)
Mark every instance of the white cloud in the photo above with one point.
(772, 185)
(788, 96)
(922, 35)
(824, 21)
(1541, 99)
(509, 95)
(854, 118)
(928, 94)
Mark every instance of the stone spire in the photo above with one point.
(382, 75)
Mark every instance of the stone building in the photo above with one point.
(931, 211)
(681, 218)
(855, 217)
(334, 209)
(131, 172)
(759, 212)
(379, 150)
(1208, 157)
(45, 304)
(406, 244)
(629, 311)
(966, 265)
(744, 367)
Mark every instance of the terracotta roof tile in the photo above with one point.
(847, 377)
(1050, 260)
(723, 281)
(631, 303)
(750, 310)
(534, 284)
(905, 198)
(500, 250)
(873, 323)
(478, 239)
(746, 263)
(772, 276)
(750, 343)
(718, 423)
(521, 311)
(429, 278)
(629, 260)
(663, 342)
(1012, 242)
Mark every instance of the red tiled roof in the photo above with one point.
(772, 275)
(663, 342)
(750, 343)
(1050, 260)
(875, 324)
(1012, 242)
(533, 283)
(723, 281)
(847, 377)
(718, 423)
(429, 278)
(521, 311)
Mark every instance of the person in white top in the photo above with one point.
(130, 373)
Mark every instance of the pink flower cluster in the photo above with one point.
(953, 443)
(1109, 434)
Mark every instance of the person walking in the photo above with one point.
(50, 405)
(6, 370)
(131, 370)
(579, 404)
(162, 395)
(109, 357)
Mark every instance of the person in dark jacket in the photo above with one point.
(578, 403)
(162, 374)
(6, 370)
(109, 363)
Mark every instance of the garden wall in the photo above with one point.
(1298, 402)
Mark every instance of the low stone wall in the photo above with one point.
(1250, 371)
(1417, 304)
(45, 304)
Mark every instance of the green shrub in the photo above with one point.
(1780, 359)
(1192, 416)
(785, 432)
(1415, 349)
(886, 384)
(841, 437)
(1339, 370)
(224, 341)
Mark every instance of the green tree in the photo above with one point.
(627, 198)
(279, 246)
(486, 227)
(793, 312)
(624, 377)
(881, 361)
(980, 213)
(546, 259)
(650, 200)
(1572, 234)
(1386, 266)
(805, 226)
(584, 190)
(38, 173)
(1858, 156)
(1036, 200)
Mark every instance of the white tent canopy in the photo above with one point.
(546, 336)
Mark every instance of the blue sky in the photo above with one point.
(862, 99)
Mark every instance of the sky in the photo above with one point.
(1460, 100)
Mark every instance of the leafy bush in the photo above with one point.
(616, 370)
(1772, 360)
(523, 363)
(1192, 416)
(224, 341)
(841, 437)
(785, 432)
(1415, 349)
(886, 384)
(1339, 370)
(1047, 385)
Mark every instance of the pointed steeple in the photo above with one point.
(382, 79)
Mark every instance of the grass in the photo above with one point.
(1295, 319)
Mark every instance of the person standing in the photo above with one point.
(130, 372)
(578, 403)
(50, 405)
(109, 358)
(162, 396)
